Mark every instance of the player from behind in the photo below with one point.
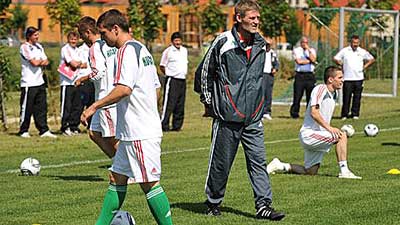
(317, 135)
(139, 126)
(101, 59)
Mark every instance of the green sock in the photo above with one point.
(159, 205)
(113, 200)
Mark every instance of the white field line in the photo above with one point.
(85, 162)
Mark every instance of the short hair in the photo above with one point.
(175, 35)
(244, 6)
(72, 34)
(30, 31)
(113, 17)
(87, 23)
(330, 71)
(355, 37)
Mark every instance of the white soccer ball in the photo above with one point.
(348, 129)
(30, 167)
(123, 218)
(371, 130)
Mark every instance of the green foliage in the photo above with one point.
(4, 4)
(381, 4)
(212, 19)
(292, 29)
(135, 19)
(19, 18)
(5, 69)
(325, 16)
(66, 13)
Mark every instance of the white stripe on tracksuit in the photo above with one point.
(63, 90)
(23, 107)
(167, 86)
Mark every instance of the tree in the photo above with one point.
(18, 19)
(212, 19)
(4, 69)
(66, 13)
(145, 19)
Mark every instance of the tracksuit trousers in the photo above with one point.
(224, 145)
(303, 81)
(33, 101)
(268, 85)
(71, 107)
(352, 88)
(174, 103)
(86, 93)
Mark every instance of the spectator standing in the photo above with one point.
(174, 64)
(230, 82)
(316, 135)
(305, 58)
(354, 61)
(33, 99)
(70, 100)
(271, 66)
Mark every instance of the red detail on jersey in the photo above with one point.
(140, 158)
(154, 170)
(232, 103)
(120, 55)
(110, 122)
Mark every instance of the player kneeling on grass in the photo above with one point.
(139, 126)
(317, 135)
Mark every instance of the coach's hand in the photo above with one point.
(336, 132)
(87, 114)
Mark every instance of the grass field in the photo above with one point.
(73, 180)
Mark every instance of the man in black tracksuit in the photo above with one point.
(230, 81)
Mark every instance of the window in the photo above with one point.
(40, 24)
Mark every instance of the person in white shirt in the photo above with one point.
(69, 95)
(138, 127)
(305, 58)
(271, 66)
(33, 99)
(102, 61)
(316, 135)
(354, 60)
(174, 64)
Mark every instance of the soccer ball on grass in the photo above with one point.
(348, 129)
(123, 218)
(30, 167)
(371, 130)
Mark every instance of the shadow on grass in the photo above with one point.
(390, 144)
(104, 166)
(89, 178)
(200, 208)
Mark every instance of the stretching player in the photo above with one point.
(317, 135)
(101, 58)
(139, 126)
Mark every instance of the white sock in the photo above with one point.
(343, 166)
(286, 167)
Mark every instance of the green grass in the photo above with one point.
(74, 194)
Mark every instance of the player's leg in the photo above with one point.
(40, 110)
(107, 145)
(346, 99)
(65, 109)
(102, 130)
(268, 85)
(309, 85)
(298, 89)
(169, 103)
(26, 106)
(341, 155)
(224, 145)
(254, 149)
(76, 110)
(357, 90)
(179, 110)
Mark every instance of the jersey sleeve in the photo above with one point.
(66, 54)
(367, 55)
(127, 67)
(164, 57)
(97, 62)
(317, 95)
(339, 55)
(25, 52)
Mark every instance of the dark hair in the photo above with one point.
(113, 17)
(72, 34)
(30, 31)
(356, 37)
(87, 23)
(330, 71)
(176, 35)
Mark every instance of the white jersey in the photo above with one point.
(300, 53)
(31, 75)
(137, 114)
(326, 100)
(353, 62)
(102, 62)
(270, 59)
(83, 52)
(175, 62)
(68, 53)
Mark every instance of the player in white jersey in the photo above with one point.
(101, 58)
(138, 126)
(70, 98)
(33, 89)
(317, 135)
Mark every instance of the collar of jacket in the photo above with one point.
(257, 41)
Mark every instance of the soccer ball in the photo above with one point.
(30, 167)
(123, 218)
(348, 129)
(371, 130)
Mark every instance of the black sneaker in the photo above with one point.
(269, 213)
(212, 209)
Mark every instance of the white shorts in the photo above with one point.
(140, 160)
(104, 121)
(315, 144)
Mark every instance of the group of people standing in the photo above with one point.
(234, 79)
